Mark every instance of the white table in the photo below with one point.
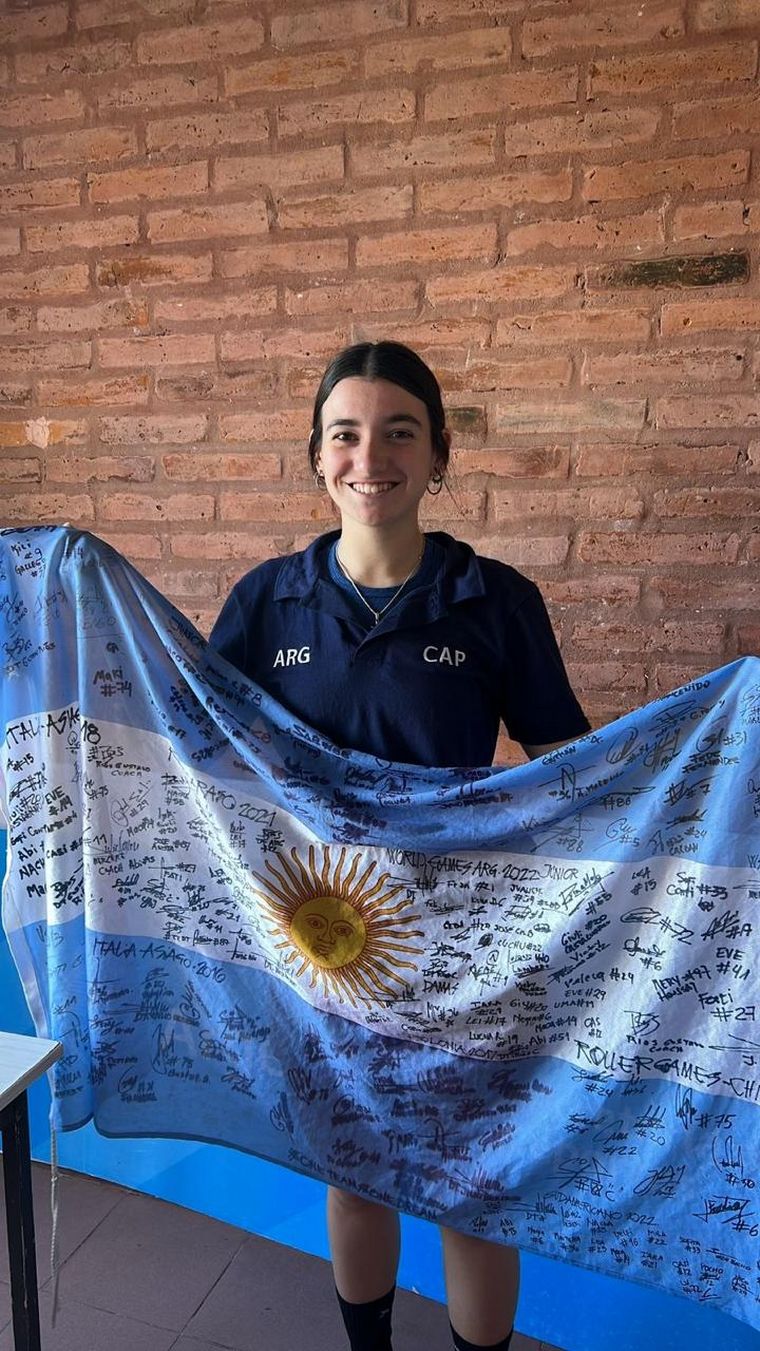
(22, 1060)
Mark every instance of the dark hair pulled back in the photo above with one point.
(397, 364)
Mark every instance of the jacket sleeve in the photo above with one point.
(539, 705)
(229, 636)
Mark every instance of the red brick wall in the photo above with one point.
(557, 203)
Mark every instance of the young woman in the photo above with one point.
(410, 647)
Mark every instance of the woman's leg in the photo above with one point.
(364, 1246)
(482, 1282)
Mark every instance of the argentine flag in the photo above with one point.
(523, 1003)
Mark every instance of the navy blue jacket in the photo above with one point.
(430, 683)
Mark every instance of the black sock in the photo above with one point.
(368, 1325)
(462, 1345)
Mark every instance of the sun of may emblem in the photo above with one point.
(344, 930)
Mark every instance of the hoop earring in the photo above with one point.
(319, 479)
(437, 482)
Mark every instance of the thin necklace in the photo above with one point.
(378, 614)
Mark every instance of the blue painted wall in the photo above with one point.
(562, 1305)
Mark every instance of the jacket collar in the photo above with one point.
(304, 576)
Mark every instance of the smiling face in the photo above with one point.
(376, 452)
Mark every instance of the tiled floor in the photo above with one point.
(141, 1275)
